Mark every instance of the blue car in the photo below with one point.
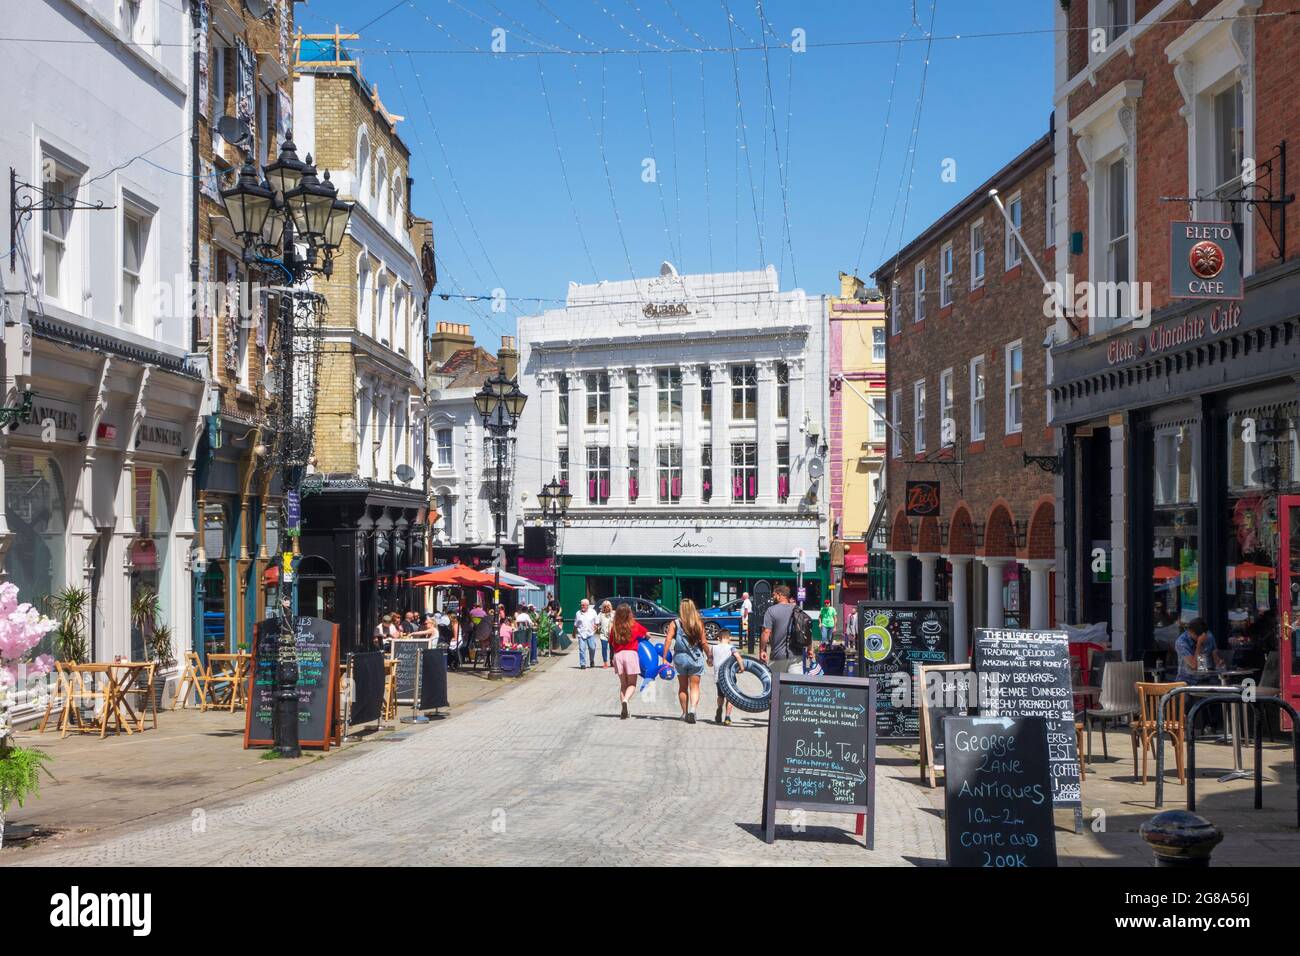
(726, 616)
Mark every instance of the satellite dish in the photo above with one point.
(816, 467)
(405, 473)
(259, 8)
(232, 129)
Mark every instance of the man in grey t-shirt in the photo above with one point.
(775, 647)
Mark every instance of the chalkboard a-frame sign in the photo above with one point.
(946, 690)
(821, 750)
(317, 642)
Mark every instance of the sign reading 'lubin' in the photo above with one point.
(1174, 334)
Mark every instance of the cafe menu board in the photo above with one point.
(946, 690)
(1027, 674)
(821, 749)
(317, 645)
(895, 638)
(406, 651)
(998, 792)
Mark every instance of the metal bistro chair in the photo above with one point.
(1146, 727)
(1119, 699)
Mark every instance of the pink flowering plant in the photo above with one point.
(22, 628)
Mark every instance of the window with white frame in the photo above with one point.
(1116, 18)
(977, 254)
(362, 187)
(744, 471)
(1229, 151)
(782, 391)
(918, 293)
(670, 474)
(1015, 388)
(365, 303)
(219, 60)
(135, 244)
(669, 388)
(877, 343)
(59, 272)
(918, 416)
(597, 398)
(945, 274)
(947, 424)
(895, 305)
(381, 309)
(896, 420)
(744, 393)
(1115, 228)
(878, 427)
(1049, 229)
(977, 389)
(598, 475)
(1015, 209)
(442, 441)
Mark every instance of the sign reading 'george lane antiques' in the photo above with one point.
(1205, 260)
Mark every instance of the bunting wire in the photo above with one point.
(654, 159)
(880, 159)
(564, 172)
(781, 171)
(708, 192)
(744, 145)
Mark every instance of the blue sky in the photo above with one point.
(488, 173)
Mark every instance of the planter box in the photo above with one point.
(512, 663)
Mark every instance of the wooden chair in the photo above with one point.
(193, 678)
(390, 690)
(62, 690)
(1078, 746)
(79, 693)
(1144, 726)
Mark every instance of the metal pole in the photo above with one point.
(498, 518)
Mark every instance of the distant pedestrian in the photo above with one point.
(604, 624)
(723, 651)
(746, 622)
(505, 627)
(624, 636)
(827, 620)
(584, 632)
(689, 646)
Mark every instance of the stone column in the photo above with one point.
(960, 608)
(1039, 571)
(577, 447)
(691, 414)
(799, 449)
(900, 574)
(646, 437)
(765, 416)
(927, 575)
(547, 447)
(994, 591)
(618, 422)
(720, 433)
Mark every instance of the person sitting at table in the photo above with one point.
(1198, 656)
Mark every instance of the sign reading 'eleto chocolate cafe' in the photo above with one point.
(1175, 334)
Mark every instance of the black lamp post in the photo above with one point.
(499, 403)
(555, 499)
(290, 206)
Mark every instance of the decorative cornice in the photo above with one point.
(54, 330)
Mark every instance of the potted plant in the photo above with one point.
(68, 608)
(160, 651)
(22, 628)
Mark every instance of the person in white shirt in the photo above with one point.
(584, 630)
(722, 651)
(746, 610)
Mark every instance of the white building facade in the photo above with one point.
(686, 414)
(98, 484)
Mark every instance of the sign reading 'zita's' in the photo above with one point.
(1205, 260)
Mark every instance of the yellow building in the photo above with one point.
(857, 427)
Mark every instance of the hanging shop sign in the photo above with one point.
(1205, 260)
(922, 499)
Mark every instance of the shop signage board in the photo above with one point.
(922, 499)
(406, 651)
(1205, 260)
(895, 638)
(998, 793)
(1027, 674)
(317, 643)
(946, 690)
(433, 679)
(821, 749)
(52, 417)
(161, 436)
(367, 687)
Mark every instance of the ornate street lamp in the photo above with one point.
(499, 404)
(555, 499)
(271, 218)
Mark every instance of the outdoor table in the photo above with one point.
(128, 676)
(118, 678)
(227, 667)
(1225, 675)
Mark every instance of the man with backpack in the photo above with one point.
(787, 632)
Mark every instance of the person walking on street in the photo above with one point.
(604, 624)
(775, 650)
(584, 632)
(624, 635)
(690, 657)
(723, 651)
(746, 621)
(827, 621)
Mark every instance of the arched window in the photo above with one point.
(363, 184)
(149, 552)
(365, 305)
(395, 202)
(379, 188)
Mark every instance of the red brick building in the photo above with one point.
(1179, 422)
(967, 375)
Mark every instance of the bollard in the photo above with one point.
(1181, 839)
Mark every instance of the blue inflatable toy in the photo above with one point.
(653, 663)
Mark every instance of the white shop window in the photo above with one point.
(1015, 388)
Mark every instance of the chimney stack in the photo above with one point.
(508, 356)
(850, 286)
(449, 339)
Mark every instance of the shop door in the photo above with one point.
(1289, 597)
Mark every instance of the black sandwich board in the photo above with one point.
(998, 793)
(894, 638)
(821, 749)
(433, 679)
(316, 642)
(406, 652)
(367, 687)
(1027, 674)
(946, 690)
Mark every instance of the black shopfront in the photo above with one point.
(359, 540)
(1179, 470)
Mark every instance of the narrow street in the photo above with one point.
(545, 773)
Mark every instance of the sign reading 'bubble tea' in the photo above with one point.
(998, 792)
(898, 637)
(821, 749)
(1027, 674)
